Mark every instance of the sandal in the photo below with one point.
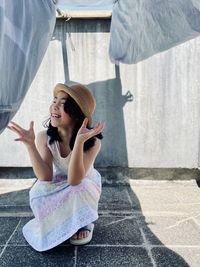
(83, 241)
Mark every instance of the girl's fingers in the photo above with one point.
(18, 139)
(9, 127)
(16, 125)
(98, 129)
(14, 129)
(100, 126)
(85, 122)
(91, 132)
(97, 125)
(21, 138)
(31, 125)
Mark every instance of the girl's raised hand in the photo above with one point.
(84, 133)
(25, 136)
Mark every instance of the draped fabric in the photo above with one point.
(139, 29)
(25, 31)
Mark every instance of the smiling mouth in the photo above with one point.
(55, 116)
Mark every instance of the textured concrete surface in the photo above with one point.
(151, 109)
(143, 223)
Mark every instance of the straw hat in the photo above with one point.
(81, 95)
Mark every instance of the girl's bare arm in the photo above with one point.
(81, 161)
(40, 156)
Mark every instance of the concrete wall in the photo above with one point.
(151, 109)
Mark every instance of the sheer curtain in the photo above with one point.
(26, 28)
(142, 28)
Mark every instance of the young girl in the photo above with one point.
(64, 200)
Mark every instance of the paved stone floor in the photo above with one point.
(141, 223)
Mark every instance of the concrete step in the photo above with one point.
(116, 175)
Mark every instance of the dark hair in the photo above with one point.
(74, 111)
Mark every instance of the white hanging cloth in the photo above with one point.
(142, 28)
(26, 28)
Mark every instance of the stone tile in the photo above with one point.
(179, 198)
(115, 198)
(171, 225)
(25, 256)
(18, 238)
(191, 255)
(154, 195)
(117, 230)
(112, 257)
(11, 185)
(17, 173)
(182, 195)
(135, 202)
(165, 257)
(197, 219)
(1, 248)
(112, 230)
(14, 194)
(15, 198)
(15, 209)
(8, 225)
(171, 230)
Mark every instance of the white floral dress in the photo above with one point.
(60, 209)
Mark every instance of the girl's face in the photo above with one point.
(59, 118)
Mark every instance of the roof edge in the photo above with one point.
(94, 14)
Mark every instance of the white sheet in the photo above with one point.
(141, 28)
(25, 31)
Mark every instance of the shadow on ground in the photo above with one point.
(122, 236)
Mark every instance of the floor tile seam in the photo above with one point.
(76, 247)
(14, 205)
(20, 215)
(147, 246)
(167, 183)
(117, 246)
(7, 242)
(129, 198)
(112, 213)
(100, 210)
(104, 214)
(30, 214)
(196, 222)
(190, 218)
(181, 203)
(151, 246)
(176, 187)
(143, 246)
(144, 213)
(135, 212)
(75, 256)
(175, 246)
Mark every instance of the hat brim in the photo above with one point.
(66, 89)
